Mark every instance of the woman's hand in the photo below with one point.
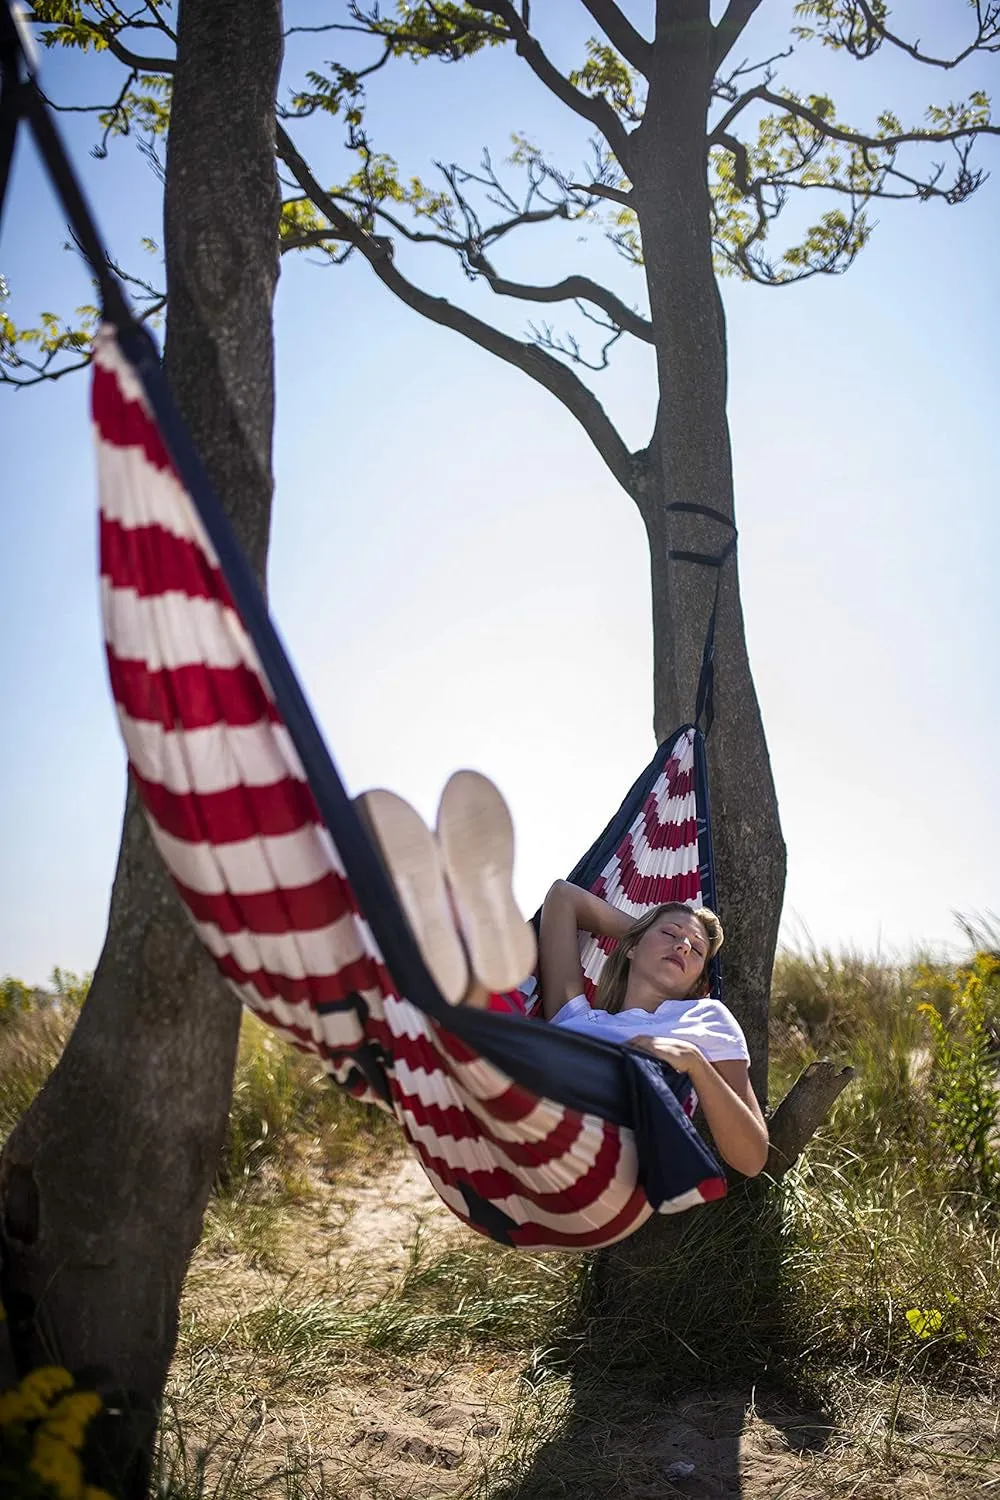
(685, 1057)
(726, 1098)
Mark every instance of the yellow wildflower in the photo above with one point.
(70, 1417)
(57, 1466)
(13, 1408)
(47, 1381)
(22, 1406)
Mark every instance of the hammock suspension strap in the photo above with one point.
(704, 709)
(20, 99)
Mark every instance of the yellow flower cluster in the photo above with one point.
(58, 1417)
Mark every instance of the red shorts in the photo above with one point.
(512, 1003)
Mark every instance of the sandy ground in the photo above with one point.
(414, 1427)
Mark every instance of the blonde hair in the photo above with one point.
(613, 983)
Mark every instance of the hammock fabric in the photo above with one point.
(527, 1132)
(534, 1135)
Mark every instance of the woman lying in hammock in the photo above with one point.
(653, 992)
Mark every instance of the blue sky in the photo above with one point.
(462, 583)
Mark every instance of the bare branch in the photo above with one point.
(541, 367)
(39, 372)
(469, 248)
(570, 346)
(726, 88)
(92, 109)
(578, 289)
(864, 39)
(620, 32)
(734, 22)
(161, 24)
(597, 111)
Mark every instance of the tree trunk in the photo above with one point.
(103, 1184)
(668, 168)
(690, 462)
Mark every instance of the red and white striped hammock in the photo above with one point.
(539, 1137)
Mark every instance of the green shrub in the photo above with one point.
(15, 998)
(859, 1011)
(963, 1079)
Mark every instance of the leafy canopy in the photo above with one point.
(766, 148)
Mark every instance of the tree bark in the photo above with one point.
(802, 1111)
(690, 462)
(668, 168)
(103, 1184)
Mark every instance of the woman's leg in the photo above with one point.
(457, 883)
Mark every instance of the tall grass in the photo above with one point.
(31, 1043)
(285, 1113)
(872, 1267)
(283, 1105)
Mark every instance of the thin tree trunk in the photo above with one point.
(691, 463)
(669, 171)
(103, 1184)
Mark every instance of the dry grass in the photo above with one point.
(30, 1046)
(342, 1335)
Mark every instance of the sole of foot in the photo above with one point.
(476, 837)
(411, 856)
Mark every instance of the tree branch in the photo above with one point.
(620, 32)
(141, 64)
(725, 88)
(570, 347)
(570, 289)
(734, 22)
(575, 289)
(802, 1112)
(40, 372)
(987, 38)
(541, 367)
(834, 132)
(602, 190)
(597, 111)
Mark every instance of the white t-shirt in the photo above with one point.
(712, 1028)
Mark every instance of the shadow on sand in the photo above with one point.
(683, 1376)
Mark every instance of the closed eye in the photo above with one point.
(674, 932)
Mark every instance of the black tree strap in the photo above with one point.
(704, 710)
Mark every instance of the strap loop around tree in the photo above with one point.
(704, 710)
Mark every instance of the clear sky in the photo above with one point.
(461, 582)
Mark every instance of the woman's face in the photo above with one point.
(671, 955)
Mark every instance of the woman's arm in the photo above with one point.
(726, 1097)
(566, 912)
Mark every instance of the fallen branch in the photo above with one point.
(802, 1112)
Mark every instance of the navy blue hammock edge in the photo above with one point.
(534, 1135)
